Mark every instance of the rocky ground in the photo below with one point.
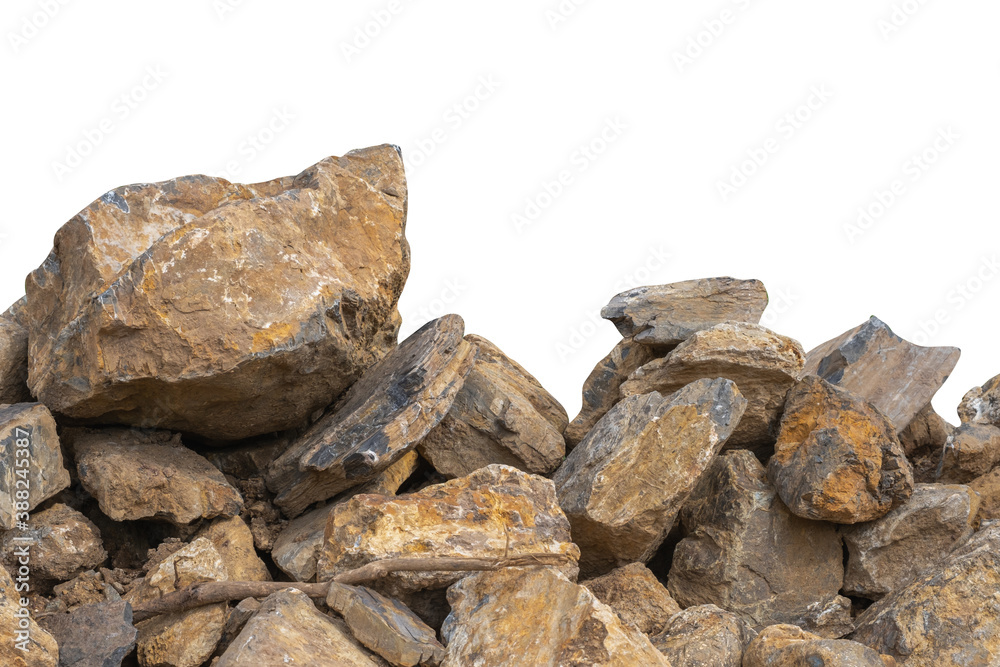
(213, 451)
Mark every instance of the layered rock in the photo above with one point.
(64, 544)
(636, 595)
(30, 454)
(94, 635)
(14, 355)
(982, 404)
(704, 635)
(790, 646)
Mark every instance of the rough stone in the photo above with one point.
(43, 471)
(763, 365)
(830, 619)
(704, 635)
(540, 617)
(14, 355)
(790, 646)
(670, 314)
(982, 404)
(622, 487)
(988, 489)
(746, 553)
(972, 451)
(65, 544)
(636, 595)
(383, 416)
(234, 542)
(42, 650)
(94, 635)
(928, 431)
(236, 620)
(895, 376)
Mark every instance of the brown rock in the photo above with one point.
(139, 475)
(95, 635)
(636, 595)
(65, 544)
(219, 309)
(236, 620)
(28, 426)
(895, 376)
(704, 635)
(746, 553)
(988, 488)
(837, 457)
(928, 431)
(790, 646)
(24, 644)
(494, 512)
(982, 404)
(622, 487)
(536, 616)
(972, 451)
(830, 619)
(950, 615)
(383, 416)
(670, 314)
(763, 365)
(234, 542)
(14, 355)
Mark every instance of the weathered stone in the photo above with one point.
(219, 309)
(895, 376)
(385, 626)
(746, 553)
(636, 595)
(14, 355)
(65, 544)
(602, 388)
(494, 420)
(537, 617)
(236, 620)
(988, 489)
(670, 314)
(927, 431)
(85, 589)
(249, 459)
(982, 404)
(40, 649)
(95, 635)
(830, 619)
(972, 451)
(790, 646)
(383, 416)
(232, 539)
(622, 487)
(763, 365)
(494, 512)
(948, 616)
(887, 554)
(288, 629)
(837, 457)
(704, 635)
(140, 475)
(28, 426)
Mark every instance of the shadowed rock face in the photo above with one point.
(28, 426)
(219, 309)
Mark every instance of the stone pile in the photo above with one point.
(214, 451)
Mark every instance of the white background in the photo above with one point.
(687, 92)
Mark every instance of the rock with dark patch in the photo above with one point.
(623, 486)
(670, 314)
(704, 635)
(385, 414)
(746, 553)
(536, 616)
(40, 649)
(94, 635)
(790, 646)
(837, 457)
(636, 595)
(64, 544)
(14, 355)
(218, 309)
(897, 377)
(971, 451)
(982, 404)
(29, 453)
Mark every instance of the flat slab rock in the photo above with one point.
(94, 635)
(982, 404)
(28, 428)
(65, 544)
(790, 646)
(670, 314)
(623, 486)
(535, 616)
(897, 377)
(218, 309)
(385, 414)
(42, 650)
(14, 355)
(704, 635)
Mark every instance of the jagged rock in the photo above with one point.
(636, 595)
(94, 635)
(704, 635)
(602, 388)
(383, 416)
(895, 376)
(830, 619)
(30, 425)
(982, 404)
(746, 553)
(85, 589)
(670, 314)
(236, 620)
(494, 420)
(14, 355)
(928, 431)
(950, 615)
(234, 542)
(494, 512)
(972, 451)
(887, 554)
(621, 488)
(386, 626)
(988, 489)
(540, 617)
(288, 629)
(763, 365)
(220, 309)
(139, 475)
(65, 544)
(837, 457)
(790, 646)
(25, 643)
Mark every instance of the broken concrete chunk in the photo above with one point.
(64, 544)
(704, 635)
(31, 461)
(636, 595)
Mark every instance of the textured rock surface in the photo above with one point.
(14, 355)
(897, 377)
(233, 541)
(790, 646)
(636, 595)
(65, 544)
(982, 404)
(138, 475)
(948, 616)
(830, 619)
(95, 635)
(493, 512)
(536, 616)
(42, 650)
(927, 431)
(837, 458)
(220, 309)
(383, 416)
(494, 420)
(988, 488)
(970, 452)
(28, 426)
(622, 487)
(670, 314)
(763, 365)
(704, 635)
(745, 552)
